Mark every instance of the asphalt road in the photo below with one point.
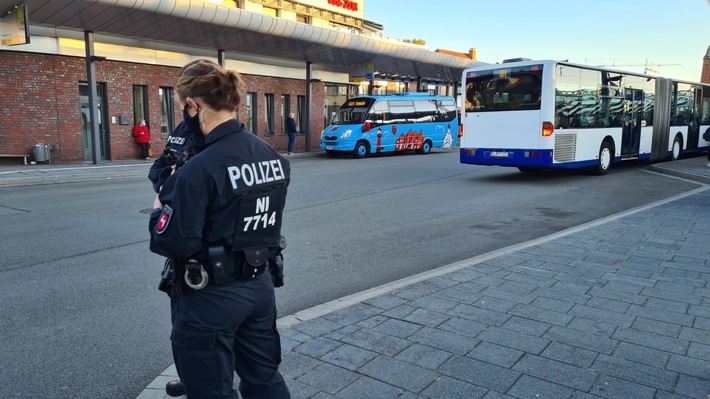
(81, 314)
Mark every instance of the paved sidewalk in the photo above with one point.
(616, 308)
(23, 175)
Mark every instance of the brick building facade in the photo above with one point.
(42, 99)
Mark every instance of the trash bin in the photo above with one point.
(41, 152)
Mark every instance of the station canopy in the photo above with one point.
(245, 35)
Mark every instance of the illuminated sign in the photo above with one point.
(13, 27)
(352, 8)
(346, 4)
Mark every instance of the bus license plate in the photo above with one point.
(499, 154)
(328, 148)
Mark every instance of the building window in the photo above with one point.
(167, 115)
(268, 114)
(269, 11)
(251, 112)
(140, 104)
(301, 111)
(304, 19)
(285, 110)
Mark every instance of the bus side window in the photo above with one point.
(446, 111)
(379, 114)
(424, 111)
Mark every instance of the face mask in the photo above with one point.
(192, 122)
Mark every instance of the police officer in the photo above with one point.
(179, 146)
(219, 218)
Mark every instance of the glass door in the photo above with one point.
(104, 136)
(633, 113)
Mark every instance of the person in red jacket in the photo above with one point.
(142, 136)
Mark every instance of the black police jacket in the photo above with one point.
(231, 193)
(180, 140)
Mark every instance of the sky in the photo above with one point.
(668, 36)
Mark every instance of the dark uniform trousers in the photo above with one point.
(245, 341)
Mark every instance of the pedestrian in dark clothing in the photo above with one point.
(292, 130)
(218, 218)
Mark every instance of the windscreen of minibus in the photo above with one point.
(504, 89)
(352, 112)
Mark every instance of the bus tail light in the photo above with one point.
(547, 129)
(460, 130)
(366, 127)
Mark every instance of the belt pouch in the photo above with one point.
(254, 262)
(218, 263)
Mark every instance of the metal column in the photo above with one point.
(309, 93)
(93, 106)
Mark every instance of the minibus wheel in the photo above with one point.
(361, 150)
(605, 157)
(426, 148)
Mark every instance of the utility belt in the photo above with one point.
(221, 267)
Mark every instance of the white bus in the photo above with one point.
(537, 115)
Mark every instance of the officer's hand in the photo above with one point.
(174, 168)
(157, 203)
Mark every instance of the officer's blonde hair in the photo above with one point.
(217, 87)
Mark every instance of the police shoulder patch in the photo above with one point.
(164, 220)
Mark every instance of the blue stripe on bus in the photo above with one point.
(519, 157)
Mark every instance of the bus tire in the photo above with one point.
(426, 148)
(362, 150)
(331, 153)
(605, 158)
(677, 147)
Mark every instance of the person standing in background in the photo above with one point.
(142, 136)
(292, 130)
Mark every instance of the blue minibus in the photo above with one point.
(367, 125)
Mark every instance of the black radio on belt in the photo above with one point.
(276, 264)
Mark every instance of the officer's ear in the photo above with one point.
(193, 104)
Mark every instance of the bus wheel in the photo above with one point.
(361, 150)
(426, 148)
(676, 149)
(331, 153)
(605, 156)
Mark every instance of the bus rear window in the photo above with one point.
(352, 112)
(504, 89)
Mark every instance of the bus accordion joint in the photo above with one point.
(547, 129)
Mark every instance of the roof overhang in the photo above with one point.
(211, 27)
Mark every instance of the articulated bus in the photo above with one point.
(537, 115)
(399, 122)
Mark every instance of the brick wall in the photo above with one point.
(41, 102)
